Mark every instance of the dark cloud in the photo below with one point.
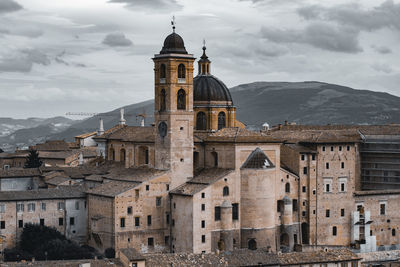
(385, 15)
(320, 35)
(382, 49)
(23, 61)
(117, 39)
(153, 5)
(9, 6)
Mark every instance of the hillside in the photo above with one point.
(259, 102)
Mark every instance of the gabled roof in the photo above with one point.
(28, 172)
(237, 135)
(86, 135)
(65, 192)
(202, 180)
(257, 160)
(130, 134)
(112, 188)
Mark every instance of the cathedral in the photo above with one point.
(199, 181)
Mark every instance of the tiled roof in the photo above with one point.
(57, 154)
(52, 145)
(29, 172)
(300, 148)
(237, 135)
(65, 192)
(21, 154)
(86, 135)
(138, 174)
(112, 188)
(132, 254)
(200, 181)
(67, 263)
(321, 256)
(58, 180)
(257, 160)
(240, 257)
(134, 134)
(317, 136)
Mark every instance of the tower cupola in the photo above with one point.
(204, 62)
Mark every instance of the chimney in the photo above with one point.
(80, 159)
(122, 121)
(101, 128)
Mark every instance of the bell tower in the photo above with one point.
(173, 109)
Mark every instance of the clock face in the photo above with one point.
(162, 129)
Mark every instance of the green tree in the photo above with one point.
(32, 160)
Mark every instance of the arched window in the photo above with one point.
(143, 155)
(181, 71)
(225, 191)
(163, 100)
(203, 69)
(163, 71)
(221, 120)
(201, 121)
(252, 244)
(122, 155)
(112, 154)
(181, 100)
(287, 188)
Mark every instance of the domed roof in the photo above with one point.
(210, 88)
(173, 44)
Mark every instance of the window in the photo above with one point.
(327, 213)
(3, 225)
(334, 230)
(149, 220)
(382, 208)
(342, 212)
(129, 210)
(181, 71)
(150, 241)
(340, 148)
(163, 71)
(221, 120)
(235, 211)
(167, 185)
(304, 189)
(203, 206)
(393, 232)
(313, 157)
(203, 224)
(20, 223)
(225, 191)
(287, 188)
(60, 221)
(20, 207)
(342, 184)
(203, 239)
(2, 208)
(327, 185)
(158, 201)
(303, 157)
(136, 194)
(201, 121)
(327, 165)
(77, 205)
(181, 99)
(42, 222)
(304, 203)
(303, 213)
(163, 100)
(331, 148)
(137, 221)
(167, 218)
(147, 187)
(348, 148)
(43, 206)
(72, 221)
(60, 206)
(294, 205)
(279, 205)
(327, 188)
(31, 207)
(314, 191)
(323, 148)
(203, 195)
(217, 215)
(305, 170)
(342, 165)
(166, 239)
(215, 157)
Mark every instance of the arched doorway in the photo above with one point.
(304, 233)
(143, 155)
(215, 158)
(122, 155)
(252, 244)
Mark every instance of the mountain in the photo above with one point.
(257, 103)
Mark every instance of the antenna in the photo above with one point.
(173, 23)
(204, 42)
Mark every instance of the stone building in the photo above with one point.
(62, 208)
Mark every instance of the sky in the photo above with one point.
(95, 55)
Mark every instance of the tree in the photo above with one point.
(32, 160)
(109, 253)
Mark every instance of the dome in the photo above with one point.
(210, 88)
(173, 44)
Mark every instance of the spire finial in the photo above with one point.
(173, 23)
(204, 43)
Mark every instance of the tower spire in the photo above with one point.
(173, 24)
(204, 62)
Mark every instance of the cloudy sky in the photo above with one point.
(95, 55)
